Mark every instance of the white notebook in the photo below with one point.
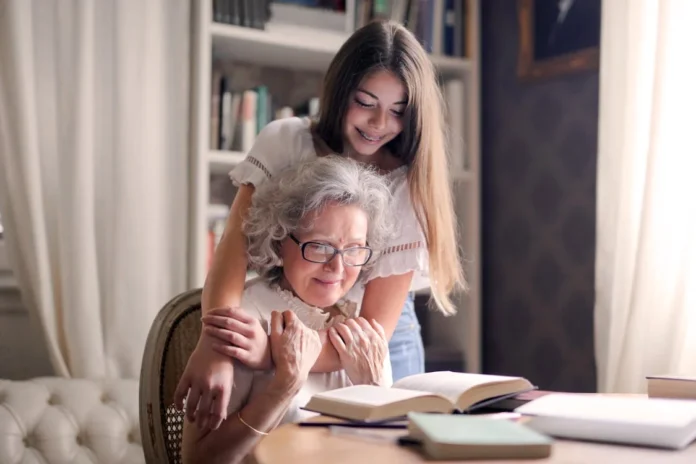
(662, 423)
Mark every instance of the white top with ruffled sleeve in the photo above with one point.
(260, 299)
(288, 141)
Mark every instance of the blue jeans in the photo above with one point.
(406, 345)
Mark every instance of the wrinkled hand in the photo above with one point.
(239, 336)
(362, 348)
(207, 380)
(294, 348)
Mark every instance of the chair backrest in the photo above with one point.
(172, 337)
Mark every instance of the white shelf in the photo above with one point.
(222, 162)
(292, 47)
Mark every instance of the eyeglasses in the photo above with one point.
(321, 253)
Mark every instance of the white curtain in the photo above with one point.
(645, 313)
(93, 170)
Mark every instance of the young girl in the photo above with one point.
(380, 105)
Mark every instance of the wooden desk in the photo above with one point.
(309, 445)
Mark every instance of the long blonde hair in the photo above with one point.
(421, 145)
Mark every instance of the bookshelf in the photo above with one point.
(307, 49)
(222, 162)
(291, 47)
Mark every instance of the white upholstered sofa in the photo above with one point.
(56, 420)
(53, 420)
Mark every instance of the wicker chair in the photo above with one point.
(172, 337)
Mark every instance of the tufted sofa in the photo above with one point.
(56, 420)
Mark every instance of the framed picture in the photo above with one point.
(558, 37)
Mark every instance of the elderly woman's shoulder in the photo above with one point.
(260, 297)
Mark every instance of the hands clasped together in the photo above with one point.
(292, 349)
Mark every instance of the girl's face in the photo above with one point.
(375, 113)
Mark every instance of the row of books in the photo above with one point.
(440, 25)
(246, 13)
(236, 117)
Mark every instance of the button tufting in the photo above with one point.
(29, 441)
(59, 416)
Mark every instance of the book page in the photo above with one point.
(446, 383)
(370, 395)
(614, 409)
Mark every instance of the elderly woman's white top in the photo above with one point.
(285, 142)
(260, 299)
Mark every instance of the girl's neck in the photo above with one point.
(376, 159)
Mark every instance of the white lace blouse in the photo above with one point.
(260, 299)
(288, 141)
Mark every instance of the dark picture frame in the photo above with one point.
(558, 37)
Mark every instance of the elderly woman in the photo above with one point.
(311, 233)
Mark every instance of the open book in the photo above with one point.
(443, 392)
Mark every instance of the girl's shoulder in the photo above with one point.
(286, 133)
(280, 144)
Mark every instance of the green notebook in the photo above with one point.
(459, 436)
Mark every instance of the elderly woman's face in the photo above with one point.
(324, 284)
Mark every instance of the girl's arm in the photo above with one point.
(295, 348)
(234, 440)
(224, 284)
(207, 380)
(383, 301)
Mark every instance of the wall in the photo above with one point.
(22, 349)
(538, 215)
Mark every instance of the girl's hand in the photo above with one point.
(294, 348)
(362, 348)
(239, 336)
(205, 386)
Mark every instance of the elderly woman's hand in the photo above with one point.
(362, 348)
(294, 348)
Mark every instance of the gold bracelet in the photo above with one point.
(239, 416)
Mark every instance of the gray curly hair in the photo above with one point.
(279, 205)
